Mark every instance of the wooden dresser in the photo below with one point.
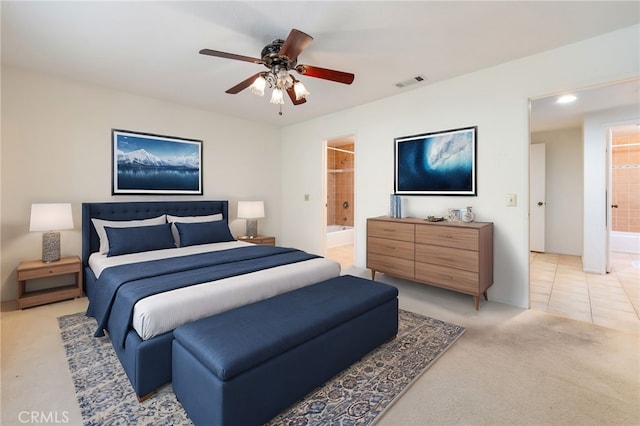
(453, 255)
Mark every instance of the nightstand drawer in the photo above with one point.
(45, 271)
(259, 239)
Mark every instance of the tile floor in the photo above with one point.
(559, 286)
(342, 254)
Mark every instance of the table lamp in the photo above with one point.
(251, 211)
(51, 217)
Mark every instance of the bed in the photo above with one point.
(141, 287)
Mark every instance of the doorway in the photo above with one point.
(558, 281)
(340, 202)
(624, 177)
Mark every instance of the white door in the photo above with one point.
(537, 197)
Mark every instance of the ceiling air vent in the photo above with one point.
(414, 80)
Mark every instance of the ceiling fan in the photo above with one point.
(280, 57)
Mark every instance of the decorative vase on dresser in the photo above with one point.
(454, 255)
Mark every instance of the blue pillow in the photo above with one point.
(139, 238)
(192, 234)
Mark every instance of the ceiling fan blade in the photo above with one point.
(295, 43)
(327, 74)
(242, 85)
(292, 95)
(230, 56)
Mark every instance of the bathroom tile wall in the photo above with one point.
(340, 184)
(625, 160)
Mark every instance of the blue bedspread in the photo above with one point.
(120, 287)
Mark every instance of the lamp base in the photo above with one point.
(252, 228)
(50, 247)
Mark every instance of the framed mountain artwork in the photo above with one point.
(144, 163)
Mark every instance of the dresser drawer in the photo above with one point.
(447, 236)
(390, 265)
(454, 279)
(391, 230)
(446, 256)
(394, 248)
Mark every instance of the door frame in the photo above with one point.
(325, 190)
(609, 186)
(608, 198)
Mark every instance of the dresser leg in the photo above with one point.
(484, 293)
(476, 300)
(373, 275)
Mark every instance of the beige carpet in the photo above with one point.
(513, 367)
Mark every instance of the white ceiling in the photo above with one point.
(548, 114)
(151, 47)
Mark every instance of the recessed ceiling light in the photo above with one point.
(566, 99)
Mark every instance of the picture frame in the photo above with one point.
(146, 163)
(437, 163)
(454, 215)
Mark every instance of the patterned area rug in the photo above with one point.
(357, 396)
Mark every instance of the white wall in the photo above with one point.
(595, 202)
(564, 190)
(56, 147)
(494, 99)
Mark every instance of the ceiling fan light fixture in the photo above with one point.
(258, 85)
(277, 97)
(300, 91)
(283, 79)
(281, 57)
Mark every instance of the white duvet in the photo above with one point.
(160, 313)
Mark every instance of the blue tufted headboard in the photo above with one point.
(140, 210)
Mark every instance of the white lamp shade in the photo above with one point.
(300, 91)
(51, 217)
(257, 88)
(250, 209)
(277, 97)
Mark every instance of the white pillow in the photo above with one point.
(194, 219)
(99, 224)
(189, 219)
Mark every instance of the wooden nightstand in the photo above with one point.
(259, 239)
(35, 269)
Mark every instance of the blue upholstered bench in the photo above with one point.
(244, 366)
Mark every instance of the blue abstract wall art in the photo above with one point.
(437, 163)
